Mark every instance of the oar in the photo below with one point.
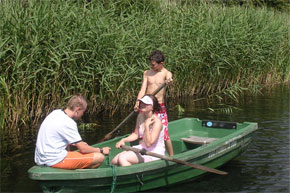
(109, 135)
(196, 166)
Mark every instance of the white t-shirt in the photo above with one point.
(55, 133)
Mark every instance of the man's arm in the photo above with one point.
(142, 91)
(85, 148)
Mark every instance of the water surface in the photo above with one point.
(264, 167)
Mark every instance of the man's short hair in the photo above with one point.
(77, 101)
(156, 56)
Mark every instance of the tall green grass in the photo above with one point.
(50, 50)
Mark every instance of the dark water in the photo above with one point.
(264, 167)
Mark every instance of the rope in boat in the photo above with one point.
(114, 178)
(113, 186)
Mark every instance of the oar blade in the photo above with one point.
(212, 170)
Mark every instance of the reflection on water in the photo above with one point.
(264, 167)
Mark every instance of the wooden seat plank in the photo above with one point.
(198, 140)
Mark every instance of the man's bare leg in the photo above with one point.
(98, 160)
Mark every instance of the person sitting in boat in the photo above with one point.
(148, 127)
(58, 131)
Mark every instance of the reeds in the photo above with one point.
(50, 50)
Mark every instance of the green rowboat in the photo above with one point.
(207, 143)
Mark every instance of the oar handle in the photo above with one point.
(196, 166)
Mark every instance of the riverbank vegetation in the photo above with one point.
(50, 50)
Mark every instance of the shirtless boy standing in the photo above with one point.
(152, 79)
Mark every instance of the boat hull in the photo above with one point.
(150, 175)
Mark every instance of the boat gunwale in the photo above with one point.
(145, 167)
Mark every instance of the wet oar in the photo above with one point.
(109, 135)
(196, 166)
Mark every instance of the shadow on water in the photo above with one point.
(263, 167)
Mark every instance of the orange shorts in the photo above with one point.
(75, 160)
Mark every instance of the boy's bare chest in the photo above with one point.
(156, 78)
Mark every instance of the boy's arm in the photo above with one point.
(168, 78)
(142, 91)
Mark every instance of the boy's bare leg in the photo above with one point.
(169, 147)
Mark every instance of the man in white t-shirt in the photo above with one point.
(58, 131)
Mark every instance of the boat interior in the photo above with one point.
(191, 133)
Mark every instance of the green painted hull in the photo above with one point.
(229, 144)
